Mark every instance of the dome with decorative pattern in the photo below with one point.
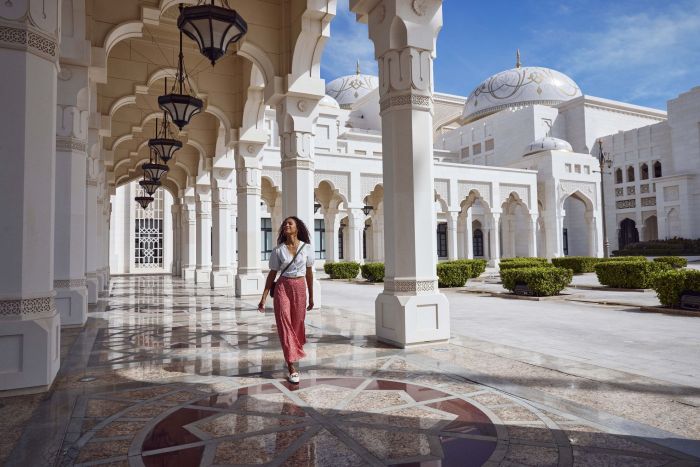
(547, 143)
(519, 87)
(346, 90)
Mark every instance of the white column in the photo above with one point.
(188, 238)
(177, 247)
(30, 330)
(461, 236)
(356, 225)
(233, 238)
(410, 310)
(91, 244)
(590, 223)
(69, 238)
(495, 240)
(249, 278)
(221, 274)
(452, 235)
(98, 251)
(330, 219)
(532, 236)
(470, 235)
(378, 237)
(203, 207)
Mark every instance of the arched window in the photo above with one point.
(478, 243)
(618, 176)
(630, 174)
(657, 169)
(644, 172)
(442, 240)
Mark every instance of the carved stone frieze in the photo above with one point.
(619, 192)
(369, 182)
(483, 189)
(631, 190)
(644, 188)
(248, 177)
(649, 201)
(68, 283)
(297, 145)
(340, 181)
(626, 204)
(298, 164)
(522, 191)
(30, 306)
(404, 70)
(27, 38)
(67, 143)
(410, 286)
(418, 101)
(587, 189)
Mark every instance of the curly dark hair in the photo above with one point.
(302, 231)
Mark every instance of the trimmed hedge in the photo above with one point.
(578, 264)
(453, 274)
(628, 274)
(670, 247)
(478, 266)
(622, 258)
(373, 272)
(670, 285)
(515, 263)
(342, 270)
(673, 261)
(542, 281)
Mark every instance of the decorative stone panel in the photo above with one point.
(631, 190)
(626, 204)
(410, 286)
(671, 193)
(64, 143)
(464, 188)
(67, 283)
(650, 201)
(30, 306)
(442, 187)
(523, 192)
(368, 182)
(619, 192)
(25, 38)
(340, 181)
(644, 188)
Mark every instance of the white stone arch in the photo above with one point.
(469, 200)
(444, 205)
(579, 194)
(334, 188)
(515, 226)
(254, 107)
(121, 140)
(315, 31)
(168, 184)
(121, 102)
(578, 224)
(122, 32)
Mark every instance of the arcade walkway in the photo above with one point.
(167, 373)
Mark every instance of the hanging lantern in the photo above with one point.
(144, 201)
(181, 106)
(367, 209)
(150, 186)
(164, 144)
(152, 169)
(212, 27)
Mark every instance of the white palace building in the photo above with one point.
(383, 168)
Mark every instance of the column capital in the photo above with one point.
(31, 26)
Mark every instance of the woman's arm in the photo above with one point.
(310, 286)
(268, 284)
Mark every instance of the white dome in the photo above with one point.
(346, 90)
(518, 87)
(328, 101)
(547, 143)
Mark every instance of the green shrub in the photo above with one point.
(632, 274)
(342, 270)
(514, 263)
(542, 281)
(578, 264)
(373, 272)
(622, 258)
(453, 274)
(673, 261)
(671, 284)
(478, 266)
(669, 247)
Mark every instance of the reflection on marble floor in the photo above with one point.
(167, 373)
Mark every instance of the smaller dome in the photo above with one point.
(547, 143)
(346, 90)
(328, 101)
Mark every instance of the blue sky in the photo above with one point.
(639, 51)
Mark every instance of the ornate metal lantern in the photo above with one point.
(366, 209)
(212, 27)
(180, 105)
(152, 169)
(164, 144)
(149, 185)
(144, 201)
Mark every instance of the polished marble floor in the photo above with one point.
(168, 373)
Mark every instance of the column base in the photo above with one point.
(405, 320)
(105, 279)
(100, 282)
(250, 284)
(92, 285)
(202, 276)
(29, 354)
(72, 305)
(176, 270)
(188, 274)
(222, 278)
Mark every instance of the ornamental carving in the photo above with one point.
(414, 100)
(28, 40)
(420, 7)
(631, 190)
(29, 306)
(369, 182)
(71, 122)
(297, 145)
(619, 192)
(650, 201)
(410, 286)
(68, 283)
(406, 69)
(644, 188)
(248, 177)
(626, 204)
(339, 181)
(483, 189)
(274, 175)
(522, 191)
(585, 188)
(70, 144)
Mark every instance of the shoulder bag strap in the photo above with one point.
(295, 257)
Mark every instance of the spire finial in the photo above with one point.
(517, 58)
(357, 67)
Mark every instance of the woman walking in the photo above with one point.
(294, 257)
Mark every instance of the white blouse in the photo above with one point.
(280, 257)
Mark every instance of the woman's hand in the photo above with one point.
(311, 304)
(261, 307)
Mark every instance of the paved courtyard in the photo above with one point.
(168, 373)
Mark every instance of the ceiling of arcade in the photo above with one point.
(146, 53)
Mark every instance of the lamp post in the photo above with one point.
(604, 161)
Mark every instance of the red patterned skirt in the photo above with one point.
(290, 312)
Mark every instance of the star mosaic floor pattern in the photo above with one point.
(169, 373)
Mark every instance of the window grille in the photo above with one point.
(478, 243)
(266, 238)
(148, 234)
(320, 238)
(442, 240)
